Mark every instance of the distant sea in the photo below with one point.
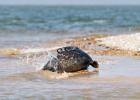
(24, 24)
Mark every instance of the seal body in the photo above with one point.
(69, 59)
(72, 59)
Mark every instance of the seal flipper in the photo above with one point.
(51, 65)
(46, 66)
(60, 69)
(94, 64)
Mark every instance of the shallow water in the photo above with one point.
(118, 79)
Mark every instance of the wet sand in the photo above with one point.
(118, 77)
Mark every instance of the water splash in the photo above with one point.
(37, 57)
(37, 60)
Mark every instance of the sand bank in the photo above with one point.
(121, 45)
(124, 42)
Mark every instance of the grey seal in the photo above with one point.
(70, 59)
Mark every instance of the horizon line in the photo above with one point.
(69, 4)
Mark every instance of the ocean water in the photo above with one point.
(54, 19)
(26, 24)
(28, 30)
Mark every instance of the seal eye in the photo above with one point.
(59, 50)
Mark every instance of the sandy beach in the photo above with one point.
(129, 42)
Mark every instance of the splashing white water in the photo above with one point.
(37, 57)
(37, 60)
